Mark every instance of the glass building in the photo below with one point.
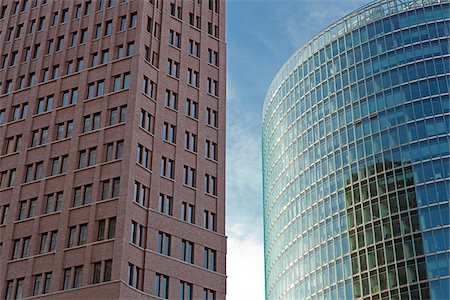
(356, 159)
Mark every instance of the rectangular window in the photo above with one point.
(211, 117)
(137, 234)
(140, 193)
(167, 167)
(149, 88)
(174, 38)
(185, 290)
(187, 251)
(192, 77)
(191, 108)
(209, 220)
(211, 150)
(146, 121)
(171, 99)
(82, 195)
(189, 176)
(194, 48)
(169, 133)
(209, 259)
(190, 141)
(173, 68)
(165, 204)
(210, 184)
(188, 212)
(163, 245)
(161, 286)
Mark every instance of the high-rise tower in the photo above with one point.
(112, 149)
(356, 159)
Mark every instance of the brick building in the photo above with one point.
(112, 140)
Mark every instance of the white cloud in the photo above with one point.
(245, 265)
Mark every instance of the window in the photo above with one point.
(137, 234)
(192, 77)
(163, 243)
(111, 188)
(95, 89)
(94, 59)
(98, 30)
(185, 290)
(212, 87)
(19, 30)
(147, 121)
(211, 117)
(87, 157)
(60, 43)
(4, 214)
(55, 71)
(165, 204)
(26, 54)
(122, 23)
(80, 64)
(209, 294)
(171, 99)
(77, 235)
(149, 24)
(173, 68)
(18, 290)
(77, 11)
(21, 247)
(87, 8)
(8, 86)
(27, 209)
(191, 108)
(7, 178)
(33, 171)
(133, 20)
(13, 144)
(13, 58)
(36, 50)
(210, 184)
(59, 165)
(118, 115)
(120, 52)
(140, 193)
(73, 39)
(167, 167)
(209, 259)
(121, 82)
(114, 150)
(194, 48)
(211, 150)
(134, 276)
(100, 267)
(149, 88)
(106, 229)
(91, 122)
(161, 286)
(54, 19)
(130, 48)
(82, 195)
(64, 130)
(44, 104)
(20, 111)
(41, 23)
(53, 202)
(189, 176)
(77, 277)
(213, 57)
(187, 251)
(143, 156)
(209, 220)
(69, 97)
(42, 283)
(174, 38)
(47, 242)
(69, 67)
(105, 56)
(169, 132)
(190, 141)
(2, 116)
(188, 212)
(108, 28)
(83, 36)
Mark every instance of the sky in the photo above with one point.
(261, 36)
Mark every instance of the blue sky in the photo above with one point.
(261, 36)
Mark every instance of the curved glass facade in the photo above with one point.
(356, 159)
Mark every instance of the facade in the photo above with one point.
(356, 159)
(112, 140)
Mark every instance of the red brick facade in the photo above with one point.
(112, 140)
